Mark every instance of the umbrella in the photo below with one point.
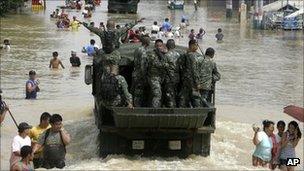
(295, 111)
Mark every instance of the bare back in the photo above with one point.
(54, 63)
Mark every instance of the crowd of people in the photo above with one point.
(275, 149)
(172, 78)
(167, 31)
(43, 145)
(162, 77)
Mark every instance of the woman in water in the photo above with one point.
(290, 140)
(262, 153)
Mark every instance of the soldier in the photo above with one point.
(208, 76)
(114, 89)
(156, 71)
(139, 80)
(110, 39)
(172, 76)
(188, 71)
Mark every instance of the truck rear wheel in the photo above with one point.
(111, 143)
(201, 144)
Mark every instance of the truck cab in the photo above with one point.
(148, 131)
(122, 6)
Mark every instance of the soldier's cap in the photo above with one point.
(23, 126)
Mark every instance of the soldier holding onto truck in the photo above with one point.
(139, 81)
(172, 76)
(114, 89)
(208, 76)
(157, 68)
(188, 71)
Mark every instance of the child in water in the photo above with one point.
(219, 36)
(6, 44)
(200, 33)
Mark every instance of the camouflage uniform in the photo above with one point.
(208, 75)
(189, 75)
(156, 71)
(114, 56)
(114, 90)
(171, 78)
(139, 76)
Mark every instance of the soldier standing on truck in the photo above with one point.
(188, 71)
(157, 68)
(208, 76)
(110, 40)
(114, 89)
(139, 75)
(172, 77)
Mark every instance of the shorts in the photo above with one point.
(38, 162)
(49, 164)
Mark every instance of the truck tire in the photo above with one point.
(201, 144)
(111, 143)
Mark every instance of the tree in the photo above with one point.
(10, 5)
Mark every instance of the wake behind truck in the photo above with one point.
(148, 131)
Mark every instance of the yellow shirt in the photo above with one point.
(35, 132)
(74, 24)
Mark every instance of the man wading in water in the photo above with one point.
(32, 86)
(53, 141)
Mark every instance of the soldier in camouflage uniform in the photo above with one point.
(172, 75)
(208, 76)
(139, 75)
(110, 40)
(156, 71)
(114, 89)
(188, 70)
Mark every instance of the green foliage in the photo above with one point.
(9, 5)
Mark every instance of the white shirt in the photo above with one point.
(169, 35)
(155, 28)
(278, 138)
(96, 46)
(7, 47)
(19, 142)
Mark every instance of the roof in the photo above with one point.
(275, 6)
(296, 13)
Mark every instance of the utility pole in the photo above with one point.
(228, 8)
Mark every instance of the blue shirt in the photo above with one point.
(166, 26)
(90, 49)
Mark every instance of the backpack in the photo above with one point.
(47, 133)
(108, 43)
(109, 87)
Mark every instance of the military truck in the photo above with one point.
(122, 6)
(148, 131)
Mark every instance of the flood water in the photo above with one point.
(262, 71)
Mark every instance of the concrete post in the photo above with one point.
(243, 12)
(228, 8)
(258, 14)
